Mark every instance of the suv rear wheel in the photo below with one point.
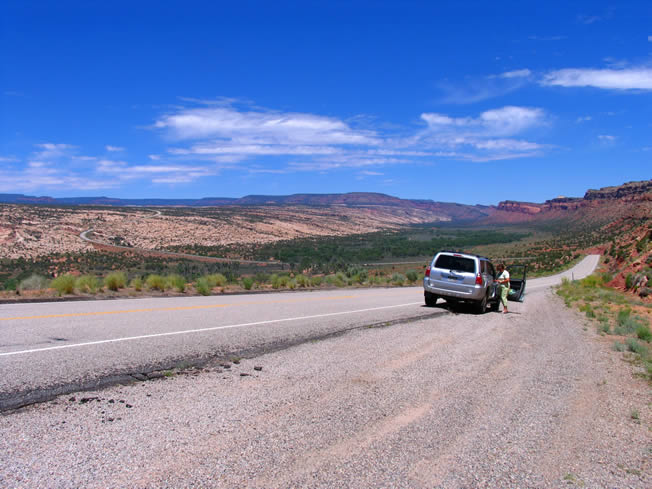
(481, 306)
(431, 299)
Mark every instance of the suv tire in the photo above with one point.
(481, 306)
(431, 299)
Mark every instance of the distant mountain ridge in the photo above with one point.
(445, 209)
(506, 211)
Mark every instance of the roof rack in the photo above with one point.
(463, 252)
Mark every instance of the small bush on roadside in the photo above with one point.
(202, 286)
(216, 280)
(618, 346)
(412, 276)
(358, 271)
(137, 284)
(175, 281)
(87, 283)
(302, 280)
(155, 282)
(115, 281)
(643, 333)
(398, 279)
(247, 283)
(316, 281)
(292, 284)
(274, 280)
(33, 282)
(261, 278)
(337, 280)
(64, 284)
(634, 346)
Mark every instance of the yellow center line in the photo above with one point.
(178, 308)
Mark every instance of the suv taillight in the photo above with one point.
(478, 279)
(428, 272)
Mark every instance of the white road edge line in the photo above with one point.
(200, 330)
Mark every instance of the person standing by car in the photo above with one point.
(503, 284)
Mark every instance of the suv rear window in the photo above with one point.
(457, 263)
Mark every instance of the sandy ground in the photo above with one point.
(532, 399)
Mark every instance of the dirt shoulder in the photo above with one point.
(531, 399)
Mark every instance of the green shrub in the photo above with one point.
(634, 346)
(618, 346)
(356, 279)
(261, 278)
(337, 280)
(643, 333)
(292, 284)
(302, 280)
(176, 281)
(274, 280)
(592, 281)
(216, 280)
(316, 281)
(33, 282)
(202, 286)
(115, 281)
(623, 315)
(358, 271)
(137, 284)
(398, 279)
(155, 282)
(64, 284)
(412, 276)
(87, 283)
(11, 284)
(247, 283)
(629, 281)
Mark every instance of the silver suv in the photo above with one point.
(461, 277)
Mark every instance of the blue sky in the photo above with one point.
(470, 102)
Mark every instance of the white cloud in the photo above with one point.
(649, 38)
(487, 137)
(607, 138)
(516, 73)
(154, 157)
(110, 148)
(611, 79)
(265, 127)
(8, 159)
(585, 118)
(505, 121)
(371, 173)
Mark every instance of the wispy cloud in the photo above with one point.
(585, 118)
(113, 149)
(607, 138)
(588, 19)
(610, 79)
(228, 135)
(491, 86)
(516, 73)
(491, 135)
(547, 38)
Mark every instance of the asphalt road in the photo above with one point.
(48, 349)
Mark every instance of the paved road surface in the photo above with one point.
(530, 399)
(51, 348)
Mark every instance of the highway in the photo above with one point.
(48, 349)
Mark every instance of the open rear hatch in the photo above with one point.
(517, 276)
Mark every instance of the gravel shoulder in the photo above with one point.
(532, 399)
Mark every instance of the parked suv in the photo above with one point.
(461, 277)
